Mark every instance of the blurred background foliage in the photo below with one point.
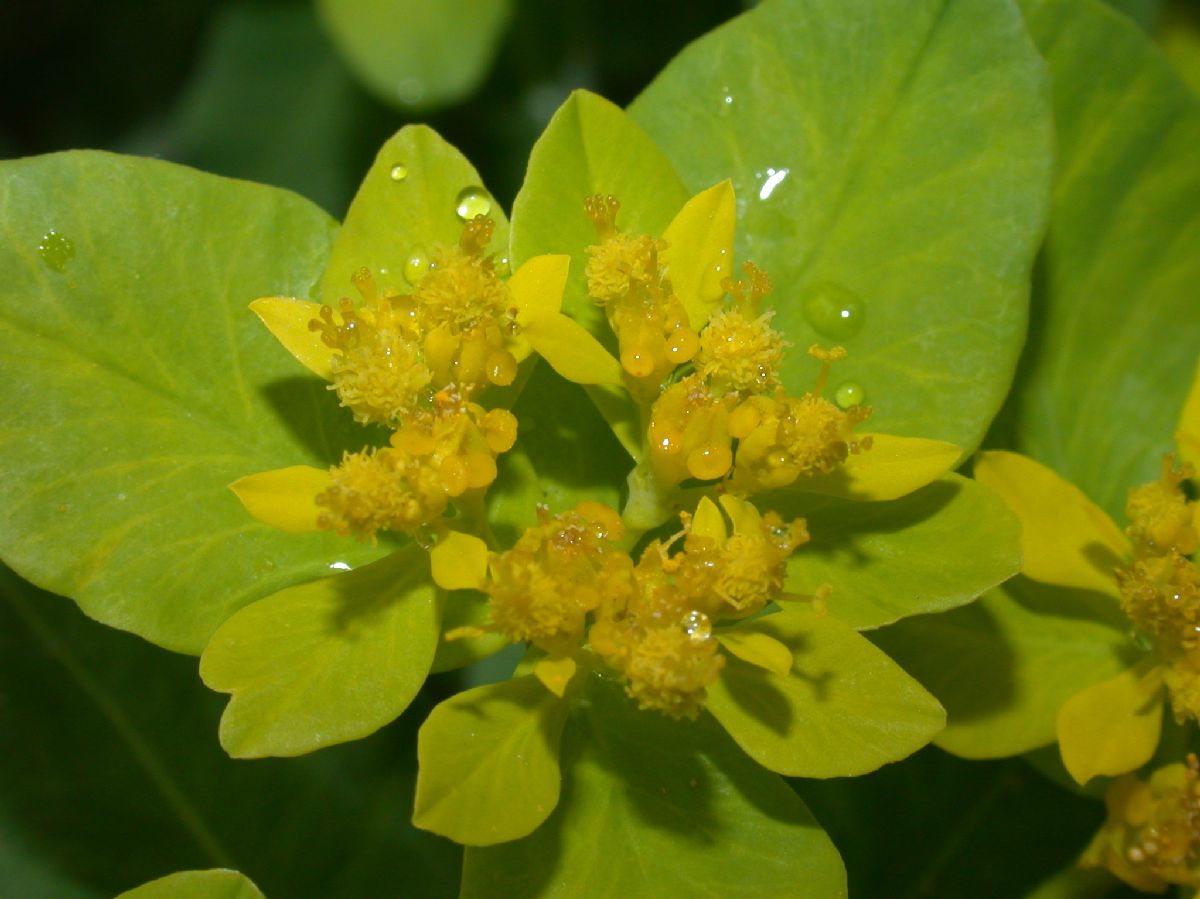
(110, 772)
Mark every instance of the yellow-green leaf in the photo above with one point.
(217, 883)
(1187, 433)
(1112, 727)
(327, 661)
(488, 762)
(893, 467)
(572, 351)
(284, 498)
(459, 561)
(1066, 538)
(844, 709)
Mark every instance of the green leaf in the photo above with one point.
(891, 158)
(932, 550)
(107, 743)
(488, 762)
(213, 884)
(394, 218)
(591, 147)
(414, 54)
(148, 386)
(844, 709)
(1004, 666)
(656, 807)
(1117, 325)
(325, 662)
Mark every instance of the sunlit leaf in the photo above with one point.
(149, 387)
(656, 807)
(327, 661)
(932, 550)
(895, 170)
(844, 709)
(488, 762)
(1116, 325)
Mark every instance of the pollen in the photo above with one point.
(1162, 520)
(1161, 596)
(739, 350)
(381, 490)
(542, 589)
(377, 367)
(625, 274)
(666, 669)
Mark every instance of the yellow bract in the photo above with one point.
(284, 498)
(1187, 433)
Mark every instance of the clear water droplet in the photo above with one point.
(833, 310)
(697, 626)
(472, 201)
(56, 251)
(340, 566)
(416, 267)
(399, 172)
(849, 394)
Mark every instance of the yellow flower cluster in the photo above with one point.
(1152, 835)
(1160, 588)
(627, 277)
(651, 621)
(734, 394)
(412, 362)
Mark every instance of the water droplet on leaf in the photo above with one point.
(833, 310)
(849, 394)
(774, 177)
(56, 251)
(471, 202)
(399, 172)
(416, 267)
(725, 107)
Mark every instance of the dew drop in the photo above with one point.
(725, 107)
(849, 394)
(833, 310)
(416, 267)
(471, 202)
(340, 566)
(697, 626)
(399, 172)
(56, 251)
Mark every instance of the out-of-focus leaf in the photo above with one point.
(108, 743)
(216, 883)
(929, 551)
(417, 54)
(892, 166)
(143, 386)
(656, 807)
(325, 662)
(1115, 336)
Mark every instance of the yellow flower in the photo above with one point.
(1151, 837)
(1114, 727)
(414, 363)
(567, 588)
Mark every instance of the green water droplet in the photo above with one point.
(56, 251)
(833, 310)
(416, 267)
(849, 394)
(399, 172)
(471, 202)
